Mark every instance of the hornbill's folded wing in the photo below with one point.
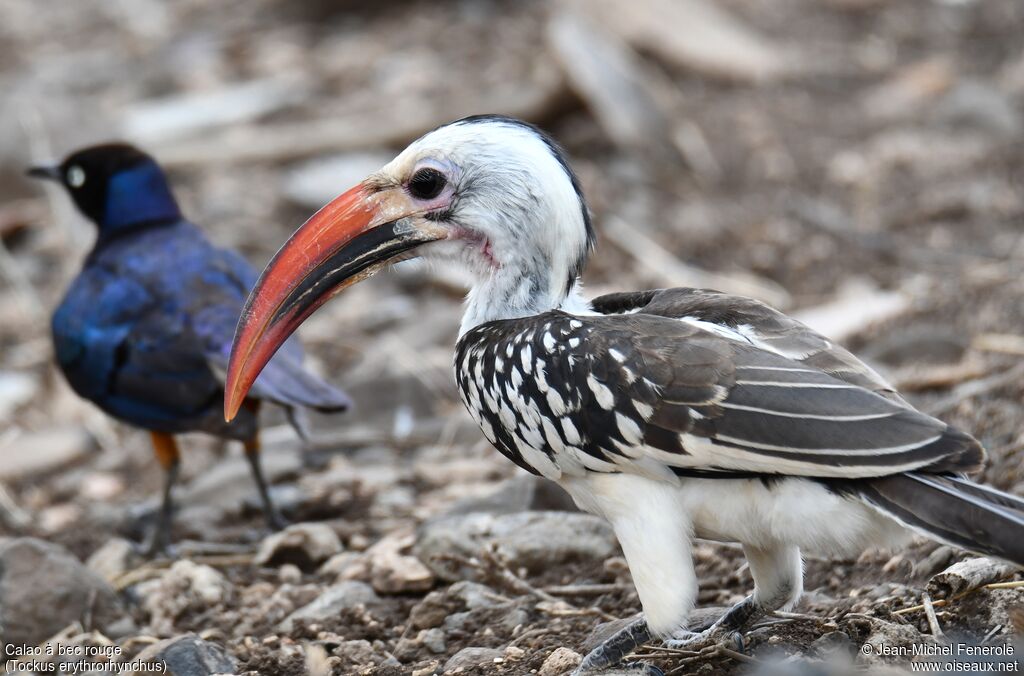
(625, 392)
(760, 323)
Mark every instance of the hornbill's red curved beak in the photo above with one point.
(349, 239)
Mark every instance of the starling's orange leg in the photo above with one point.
(166, 450)
(252, 452)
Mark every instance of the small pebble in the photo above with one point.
(513, 653)
(289, 573)
(561, 661)
(434, 640)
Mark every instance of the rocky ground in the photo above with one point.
(859, 163)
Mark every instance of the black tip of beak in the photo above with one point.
(49, 173)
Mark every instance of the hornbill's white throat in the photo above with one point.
(673, 414)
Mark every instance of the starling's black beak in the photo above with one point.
(49, 173)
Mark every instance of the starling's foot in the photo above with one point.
(716, 635)
(157, 546)
(275, 521)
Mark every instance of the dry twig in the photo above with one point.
(967, 575)
(1004, 343)
(976, 388)
(674, 272)
(584, 589)
(933, 621)
(491, 564)
(945, 602)
(919, 378)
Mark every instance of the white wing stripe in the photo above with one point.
(827, 451)
(778, 383)
(788, 369)
(808, 416)
(706, 454)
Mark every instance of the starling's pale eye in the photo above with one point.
(427, 183)
(76, 176)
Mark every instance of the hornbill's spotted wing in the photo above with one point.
(653, 394)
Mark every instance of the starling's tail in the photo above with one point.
(953, 510)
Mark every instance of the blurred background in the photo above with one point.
(858, 163)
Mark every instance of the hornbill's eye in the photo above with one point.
(427, 183)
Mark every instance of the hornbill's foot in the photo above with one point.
(725, 632)
(606, 659)
(624, 669)
(717, 634)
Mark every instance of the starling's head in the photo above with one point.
(115, 185)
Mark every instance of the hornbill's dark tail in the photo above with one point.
(953, 510)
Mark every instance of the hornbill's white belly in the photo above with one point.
(655, 520)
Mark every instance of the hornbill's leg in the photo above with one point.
(655, 537)
(166, 450)
(778, 583)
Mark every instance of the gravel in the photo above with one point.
(44, 588)
(531, 540)
(186, 655)
(330, 602)
(305, 545)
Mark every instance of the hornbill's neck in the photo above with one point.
(519, 297)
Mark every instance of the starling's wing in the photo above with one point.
(119, 348)
(146, 327)
(215, 303)
(761, 324)
(638, 392)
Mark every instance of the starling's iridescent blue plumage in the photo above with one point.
(145, 329)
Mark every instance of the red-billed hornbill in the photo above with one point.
(673, 414)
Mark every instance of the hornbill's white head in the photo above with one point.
(489, 194)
